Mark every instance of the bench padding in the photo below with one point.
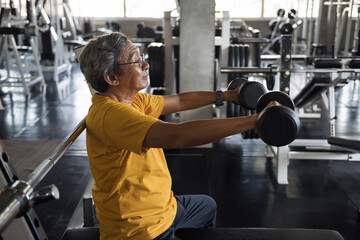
(92, 233)
(343, 142)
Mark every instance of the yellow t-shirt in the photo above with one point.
(132, 190)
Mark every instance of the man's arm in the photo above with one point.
(192, 100)
(194, 133)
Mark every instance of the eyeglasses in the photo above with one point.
(139, 61)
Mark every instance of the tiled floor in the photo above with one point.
(320, 194)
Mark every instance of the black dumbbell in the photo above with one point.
(249, 92)
(292, 14)
(280, 12)
(277, 125)
(286, 28)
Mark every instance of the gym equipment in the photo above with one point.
(10, 48)
(249, 92)
(93, 233)
(277, 125)
(274, 24)
(18, 197)
(328, 63)
(354, 63)
(156, 62)
(286, 28)
(28, 31)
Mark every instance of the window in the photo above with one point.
(156, 8)
(121, 8)
(240, 9)
(95, 8)
(271, 7)
(148, 8)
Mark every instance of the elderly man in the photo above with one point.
(125, 141)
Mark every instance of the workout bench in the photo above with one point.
(92, 233)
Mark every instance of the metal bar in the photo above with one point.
(340, 3)
(13, 198)
(39, 173)
(11, 202)
(275, 70)
(348, 28)
(285, 62)
(245, 70)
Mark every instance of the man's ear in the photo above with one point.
(111, 80)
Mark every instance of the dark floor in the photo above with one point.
(320, 194)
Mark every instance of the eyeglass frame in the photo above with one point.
(138, 61)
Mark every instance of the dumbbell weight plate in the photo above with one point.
(278, 96)
(285, 28)
(249, 94)
(280, 12)
(278, 126)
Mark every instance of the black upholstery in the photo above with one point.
(92, 233)
(355, 63)
(343, 142)
(312, 90)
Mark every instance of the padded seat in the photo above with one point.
(312, 90)
(225, 234)
(344, 142)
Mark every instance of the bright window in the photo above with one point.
(148, 8)
(271, 7)
(116, 8)
(240, 9)
(156, 8)
(96, 8)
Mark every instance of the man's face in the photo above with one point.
(135, 74)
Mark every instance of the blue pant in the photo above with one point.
(193, 211)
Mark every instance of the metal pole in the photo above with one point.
(124, 8)
(246, 70)
(348, 29)
(39, 173)
(16, 199)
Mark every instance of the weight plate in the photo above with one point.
(249, 94)
(278, 126)
(278, 96)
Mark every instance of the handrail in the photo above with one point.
(16, 199)
(38, 174)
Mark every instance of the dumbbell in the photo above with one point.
(277, 125)
(248, 93)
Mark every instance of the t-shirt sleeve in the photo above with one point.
(126, 128)
(151, 105)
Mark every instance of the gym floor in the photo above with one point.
(320, 194)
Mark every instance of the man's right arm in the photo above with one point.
(195, 133)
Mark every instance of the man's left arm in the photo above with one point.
(192, 100)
